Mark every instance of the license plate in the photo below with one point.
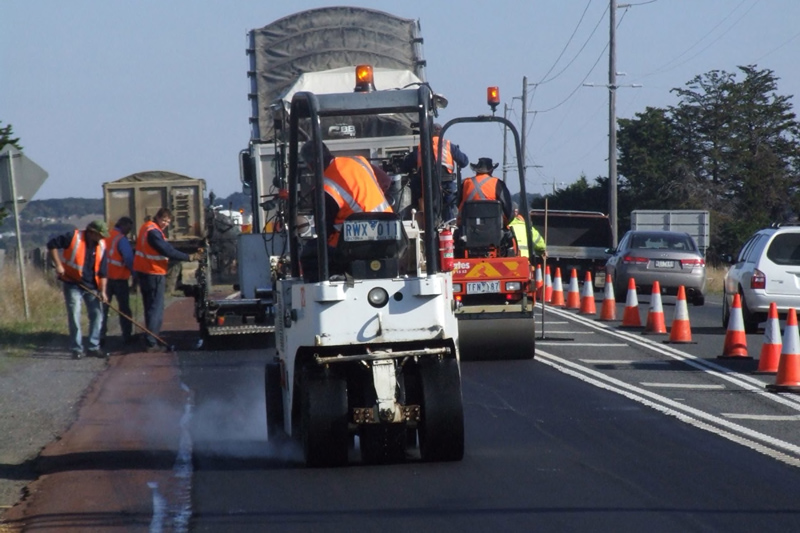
(371, 230)
(483, 287)
(665, 264)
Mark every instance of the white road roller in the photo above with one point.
(371, 348)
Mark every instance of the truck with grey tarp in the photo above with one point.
(694, 222)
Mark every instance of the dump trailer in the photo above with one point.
(139, 196)
(493, 283)
(367, 343)
(575, 240)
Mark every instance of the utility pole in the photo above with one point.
(523, 134)
(505, 142)
(612, 122)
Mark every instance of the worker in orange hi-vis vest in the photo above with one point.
(483, 186)
(81, 263)
(120, 266)
(352, 185)
(151, 262)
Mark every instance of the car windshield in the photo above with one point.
(785, 249)
(679, 243)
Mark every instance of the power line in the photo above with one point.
(666, 66)
(567, 44)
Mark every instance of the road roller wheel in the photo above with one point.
(324, 419)
(274, 400)
(441, 426)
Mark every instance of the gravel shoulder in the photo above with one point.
(40, 393)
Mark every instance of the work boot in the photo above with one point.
(77, 354)
(156, 349)
(97, 353)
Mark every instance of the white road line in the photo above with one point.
(744, 381)
(622, 361)
(777, 418)
(681, 385)
(783, 451)
(595, 344)
(565, 332)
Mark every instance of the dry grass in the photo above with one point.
(47, 310)
(714, 278)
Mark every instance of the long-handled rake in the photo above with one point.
(170, 347)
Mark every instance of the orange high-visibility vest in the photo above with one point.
(447, 156)
(73, 257)
(351, 181)
(116, 264)
(478, 188)
(147, 259)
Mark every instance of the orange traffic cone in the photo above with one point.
(557, 299)
(587, 297)
(573, 292)
(655, 315)
(608, 311)
(788, 378)
(631, 318)
(680, 332)
(548, 285)
(735, 346)
(539, 280)
(771, 348)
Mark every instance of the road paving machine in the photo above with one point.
(366, 333)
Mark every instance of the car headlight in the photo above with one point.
(513, 286)
(377, 297)
(456, 287)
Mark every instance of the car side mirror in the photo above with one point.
(610, 251)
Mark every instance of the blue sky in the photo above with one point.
(100, 89)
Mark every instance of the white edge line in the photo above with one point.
(746, 382)
(677, 410)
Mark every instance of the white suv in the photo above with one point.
(767, 270)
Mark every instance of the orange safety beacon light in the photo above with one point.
(364, 79)
(493, 97)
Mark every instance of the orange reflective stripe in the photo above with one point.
(73, 257)
(147, 259)
(116, 263)
(447, 156)
(352, 183)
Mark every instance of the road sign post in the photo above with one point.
(32, 176)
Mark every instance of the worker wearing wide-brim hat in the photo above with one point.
(483, 186)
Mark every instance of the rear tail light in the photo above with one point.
(632, 260)
(693, 262)
(759, 280)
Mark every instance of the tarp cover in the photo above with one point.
(322, 40)
(153, 175)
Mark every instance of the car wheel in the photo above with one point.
(749, 318)
(699, 300)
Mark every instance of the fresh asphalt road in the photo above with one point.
(610, 431)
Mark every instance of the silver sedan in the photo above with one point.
(671, 258)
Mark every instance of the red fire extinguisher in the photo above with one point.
(446, 249)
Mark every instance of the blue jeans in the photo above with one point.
(118, 288)
(152, 287)
(449, 200)
(73, 295)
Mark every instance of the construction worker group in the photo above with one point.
(96, 265)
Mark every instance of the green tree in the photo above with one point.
(7, 137)
(728, 146)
